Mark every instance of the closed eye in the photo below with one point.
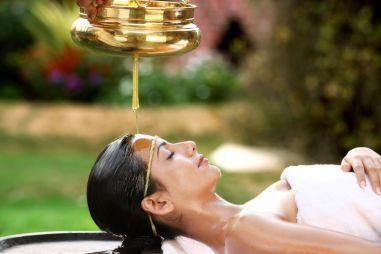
(171, 155)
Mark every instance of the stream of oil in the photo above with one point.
(135, 90)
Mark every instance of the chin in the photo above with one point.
(216, 171)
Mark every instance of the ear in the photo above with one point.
(158, 203)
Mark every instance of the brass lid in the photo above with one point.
(162, 12)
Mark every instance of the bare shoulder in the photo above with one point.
(278, 199)
(281, 185)
(250, 233)
(262, 234)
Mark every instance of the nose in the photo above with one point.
(190, 148)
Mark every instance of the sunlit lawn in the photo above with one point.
(43, 181)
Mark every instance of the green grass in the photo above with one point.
(42, 189)
(43, 181)
(44, 214)
(42, 184)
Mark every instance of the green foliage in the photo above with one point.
(53, 67)
(11, 13)
(13, 38)
(242, 187)
(212, 81)
(49, 22)
(319, 79)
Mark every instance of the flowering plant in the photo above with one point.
(54, 67)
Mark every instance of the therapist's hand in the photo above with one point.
(91, 6)
(364, 161)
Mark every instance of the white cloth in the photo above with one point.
(326, 197)
(329, 198)
(184, 245)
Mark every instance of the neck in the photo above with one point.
(208, 222)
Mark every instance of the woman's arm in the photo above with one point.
(364, 161)
(263, 234)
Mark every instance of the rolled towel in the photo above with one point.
(329, 198)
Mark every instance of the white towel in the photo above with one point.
(329, 198)
(184, 245)
(326, 197)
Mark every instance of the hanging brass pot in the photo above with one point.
(143, 28)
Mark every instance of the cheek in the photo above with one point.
(181, 176)
(183, 172)
(168, 175)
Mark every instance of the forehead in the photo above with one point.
(142, 144)
(142, 141)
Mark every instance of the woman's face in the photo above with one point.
(184, 173)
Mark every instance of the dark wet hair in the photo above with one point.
(115, 190)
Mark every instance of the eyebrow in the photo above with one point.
(161, 144)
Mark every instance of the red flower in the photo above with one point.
(66, 62)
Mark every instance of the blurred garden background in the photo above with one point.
(301, 79)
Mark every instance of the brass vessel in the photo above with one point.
(140, 28)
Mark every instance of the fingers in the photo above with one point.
(345, 165)
(91, 7)
(379, 171)
(377, 164)
(91, 12)
(373, 170)
(84, 3)
(359, 170)
(364, 161)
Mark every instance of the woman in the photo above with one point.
(145, 189)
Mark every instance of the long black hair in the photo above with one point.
(115, 190)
